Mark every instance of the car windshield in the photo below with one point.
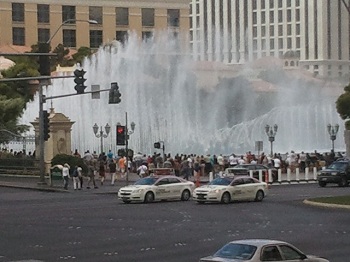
(236, 251)
(146, 181)
(222, 181)
(338, 166)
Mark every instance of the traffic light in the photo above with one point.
(44, 60)
(121, 135)
(157, 145)
(46, 121)
(114, 94)
(79, 80)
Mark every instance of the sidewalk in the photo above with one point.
(32, 183)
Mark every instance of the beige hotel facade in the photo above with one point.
(27, 22)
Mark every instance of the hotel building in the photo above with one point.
(314, 34)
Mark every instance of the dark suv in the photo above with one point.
(337, 173)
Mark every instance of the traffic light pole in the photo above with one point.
(41, 135)
(126, 148)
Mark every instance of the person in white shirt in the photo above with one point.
(277, 163)
(142, 170)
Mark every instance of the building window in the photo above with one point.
(254, 4)
(297, 29)
(280, 16)
(272, 44)
(263, 17)
(173, 17)
(18, 36)
(272, 4)
(122, 16)
(297, 3)
(43, 35)
(289, 43)
(289, 3)
(255, 19)
(272, 30)
(255, 31)
(146, 35)
(95, 13)
(292, 63)
(95, 38)
(289, 15)
(280, 43)
(262, 4)
(148, 17)
(289, 29)
(272, 17)
(17, 12)
(43, 13)
(280, 3)
(280, 30)
(69, 38)
(121, 36)
(298, 42)
(263, 31)
(68, 13)
(297, 15)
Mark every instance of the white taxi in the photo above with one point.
(231, 188)
(156, 188)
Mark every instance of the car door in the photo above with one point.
(248, 189)
(175, 187)
(237, 189)
(162, 188)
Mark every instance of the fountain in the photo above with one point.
(162, 94)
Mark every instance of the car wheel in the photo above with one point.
(226, 198)
(343, 182)
(186, 195)
(259, 196)
(149, 197)
(322, 184)
(127, 201)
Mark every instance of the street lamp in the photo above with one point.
(67, 22)
(101, 134)
(332, 131)
(271, 133)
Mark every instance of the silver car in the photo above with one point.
(259, 250)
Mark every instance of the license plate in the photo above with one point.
(324, 179)
(200, 197)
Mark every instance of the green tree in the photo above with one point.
(81, 54)
(343, 106)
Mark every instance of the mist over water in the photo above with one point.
(163, 93)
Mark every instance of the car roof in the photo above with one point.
(258, 242)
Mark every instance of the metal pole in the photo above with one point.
(333, 145)
(126, 148)
(271, 148)
(101, 134)
(41, 137)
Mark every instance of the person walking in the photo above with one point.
(102, 171)
(65, 174)
(142, 170)
(91, 173)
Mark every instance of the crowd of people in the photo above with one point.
(188, 166)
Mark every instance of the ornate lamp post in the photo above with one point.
(271, 133)
(101, 134)
(332, 131)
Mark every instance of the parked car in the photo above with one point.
(337, 173)
(228, 189)
(258, 250)
(156, 188)
(243, 169)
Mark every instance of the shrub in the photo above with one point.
(72, 161)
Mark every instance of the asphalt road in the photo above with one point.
(84, 226)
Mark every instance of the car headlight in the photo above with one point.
(137, 191)
(334, 173)
(215, 191)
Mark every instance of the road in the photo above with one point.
(85, 226)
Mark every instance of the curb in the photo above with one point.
(318, 204)
(46, 189)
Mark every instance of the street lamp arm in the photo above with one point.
(66, 22)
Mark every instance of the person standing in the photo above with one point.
(102, 171)
(65, 174)
(121, 165)
(76, 180)
(91, 173)
(112, 170)
(142, 170)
